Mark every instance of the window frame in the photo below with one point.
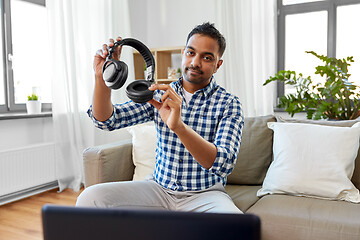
(10, 105)
(283, 10)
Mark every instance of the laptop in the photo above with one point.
(76, 223)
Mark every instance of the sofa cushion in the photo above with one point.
(313, 160)
(347, 123)
(290, 217)
(143, 151)
(255, 153)
(243, 196)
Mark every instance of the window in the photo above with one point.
(287, 2)
(2, 76)
(327, 27)
(348, 38)
(25, 69)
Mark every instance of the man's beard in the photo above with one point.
(187, 75)
(196, 69)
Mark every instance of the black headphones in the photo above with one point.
(115, 72)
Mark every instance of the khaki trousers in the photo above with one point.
(149, 194)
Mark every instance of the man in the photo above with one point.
(199, 125)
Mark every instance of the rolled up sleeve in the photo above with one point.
(228, 139)
(124, 115)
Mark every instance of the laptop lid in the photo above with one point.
(70, 223)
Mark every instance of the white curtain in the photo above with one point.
(77, 29)
(249, 59)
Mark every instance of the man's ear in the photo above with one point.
(219, 63)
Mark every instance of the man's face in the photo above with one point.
(200, 59)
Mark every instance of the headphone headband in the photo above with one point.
(143, 50)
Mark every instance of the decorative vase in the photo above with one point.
(33, 107)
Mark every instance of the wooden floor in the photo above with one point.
(22, 219)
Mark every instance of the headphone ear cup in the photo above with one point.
(139, 92)
(115, 74)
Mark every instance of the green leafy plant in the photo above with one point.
(32, 97)
(335, 98)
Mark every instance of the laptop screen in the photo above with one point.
(64, 222)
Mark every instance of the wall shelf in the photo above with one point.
(162, 60)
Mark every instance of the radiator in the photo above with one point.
(26, 168)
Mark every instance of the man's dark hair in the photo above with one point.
(208, 29)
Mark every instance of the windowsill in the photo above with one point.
(276, 109)
(22, 115)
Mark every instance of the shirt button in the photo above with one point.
(177, 182)
(181, 161)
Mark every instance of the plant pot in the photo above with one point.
(33, 107)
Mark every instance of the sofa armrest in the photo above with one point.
(108, 163)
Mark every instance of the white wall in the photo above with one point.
(163, 23)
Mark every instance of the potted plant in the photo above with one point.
(335, 98)
(33, 105)
(178, 73)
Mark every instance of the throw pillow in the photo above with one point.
(344, 123)
(313, 160)
(143, 151)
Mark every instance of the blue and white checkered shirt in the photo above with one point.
(212, 112)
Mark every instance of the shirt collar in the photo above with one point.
(209, 89)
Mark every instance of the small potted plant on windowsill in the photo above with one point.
(336, 98)
(33, 105)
